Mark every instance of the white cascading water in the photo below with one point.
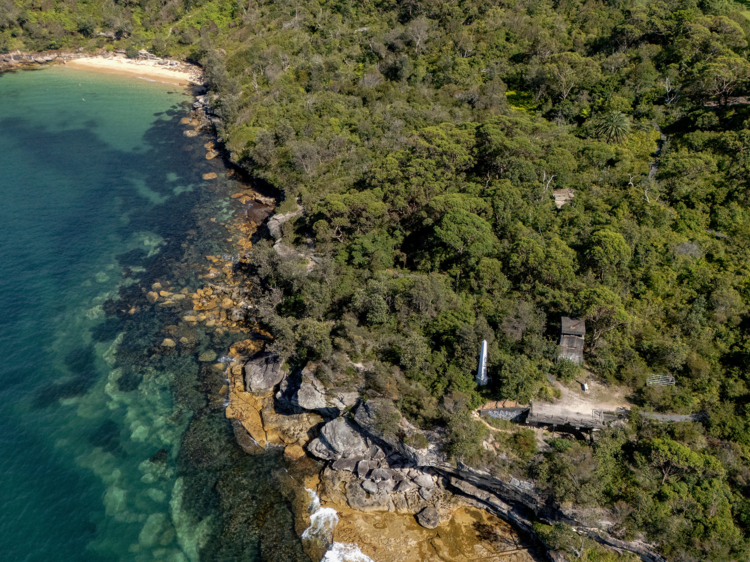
(323, 521)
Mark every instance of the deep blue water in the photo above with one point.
(111, 448)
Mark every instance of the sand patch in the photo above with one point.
(145, 69)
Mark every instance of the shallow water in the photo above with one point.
(112, 446)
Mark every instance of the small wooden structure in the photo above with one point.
(563, 196)
(503, 409)
(572, 332)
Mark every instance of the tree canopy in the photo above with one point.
(424, 141)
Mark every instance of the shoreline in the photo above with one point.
(166, 71)
(137, 68)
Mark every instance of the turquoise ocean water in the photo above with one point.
(112, 447)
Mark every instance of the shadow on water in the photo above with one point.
(107, 330)
(80, 363)
(129, 381)
(134, 257)
(80, 359)
(77, 386)
(107, 436)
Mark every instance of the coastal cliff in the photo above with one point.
(370, 471)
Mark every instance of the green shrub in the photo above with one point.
(560, 445)
(417, 440)
(465, 437)
(524, 444)
(387, 419)
(498, 423)
(131, 52)
(566, 370)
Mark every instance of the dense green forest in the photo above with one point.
(424, 140)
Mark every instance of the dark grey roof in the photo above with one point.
(571, 347)
(574, 326)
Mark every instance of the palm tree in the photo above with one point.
(615, 126)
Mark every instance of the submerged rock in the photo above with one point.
(191, 534)
(209, 176)
(159, 456)
(208, 355)
(152, 529)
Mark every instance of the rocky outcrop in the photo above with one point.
(256, 411)
(513, 513)
(373, 471)
(311, 394)
(263, 372)
(338, 439)
(428, 518)
(288, 429)
(275, 222)
(303, 389)
(366, 418)
(392, 476)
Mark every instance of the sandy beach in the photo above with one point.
(145, 69)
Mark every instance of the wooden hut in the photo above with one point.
(572, 333)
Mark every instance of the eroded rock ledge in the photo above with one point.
(371, 471)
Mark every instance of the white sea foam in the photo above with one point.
(341, 552)
(322, 524)
(314, 501)
(322, 521)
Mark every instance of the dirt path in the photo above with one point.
(576, 402)
(541, 434)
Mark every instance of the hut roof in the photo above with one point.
(571, 348)
(573, 326)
